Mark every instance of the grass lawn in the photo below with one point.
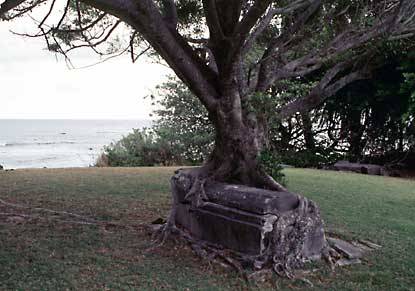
(44, 251)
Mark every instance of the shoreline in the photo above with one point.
(60, 143)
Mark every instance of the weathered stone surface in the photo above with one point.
(280, 228)
(250, 199)
(358, 168)
(237, 230)
(16, 219)
(349, 250)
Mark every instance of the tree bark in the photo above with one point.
(239, 140)
(356, 130)
(308, 131)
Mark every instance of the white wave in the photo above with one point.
(12, 144)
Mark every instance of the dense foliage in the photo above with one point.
(181, 135)
(182, 120)
(371, 120)
(141, 148)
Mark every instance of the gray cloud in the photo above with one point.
(35, 85)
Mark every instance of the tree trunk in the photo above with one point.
(308, 131)
(356, 130)
(239, 140)
(231, 202)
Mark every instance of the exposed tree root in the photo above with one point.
(197, 192)
(48, 210)
(288, 233)
(213, 254)
(196, 195)
(228, 259)
(61, 216)
(210, 253)
(269, 183)
(283, 262)
(162, 235)
(14, 214)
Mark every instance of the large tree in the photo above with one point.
(229, 53)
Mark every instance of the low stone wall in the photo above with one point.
(396, 170)
(358, 168)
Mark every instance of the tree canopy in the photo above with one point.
(208, 42)
(230, 52)
(367, 121)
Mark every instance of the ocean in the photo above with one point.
(59, 143)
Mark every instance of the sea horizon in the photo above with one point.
(59, 143)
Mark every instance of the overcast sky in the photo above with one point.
(34, 85)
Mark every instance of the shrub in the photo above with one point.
(271, 163)
(141, 148)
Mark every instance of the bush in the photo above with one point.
(102, 161)
(309, 159)
(271, 163)
(140, 148)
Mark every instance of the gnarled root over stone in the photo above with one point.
(258, 228)
(250, 228)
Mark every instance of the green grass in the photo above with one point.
(44, 253)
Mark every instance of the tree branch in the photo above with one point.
(265, 75)
(93, 45)
(170, 13)
(229, 13)
(326, 88)
(212, 20)
(263, 24)
(397, 21)
(47, 14)
(145, 17)
(255, 12)
(9, 5)
(20, 11)
(85, 28)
